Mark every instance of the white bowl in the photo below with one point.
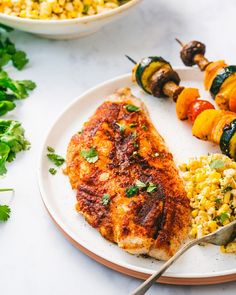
(68, 28)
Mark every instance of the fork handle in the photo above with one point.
(142, 289)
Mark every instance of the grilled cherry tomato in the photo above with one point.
(197, 107)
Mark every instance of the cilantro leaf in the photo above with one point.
(140, 184)
(56, 159)
(53, 171)
(222, 217)
(216, 164)
(133, 125)
(151, 187)
(19, 59)
(9, 52)
(135, 144)
(90, 155)
(105, 199)
(28, 84)
(122, 127)
(226, 189)
(4, 152)
(86, 9)
(131, 191)
(6, 106)
(144, 127)
(132, 108)
(51, 149)
(4, 212)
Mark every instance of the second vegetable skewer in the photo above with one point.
(220, 78)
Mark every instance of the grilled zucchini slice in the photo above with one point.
(228, 140)
(220, 78)
(146, 68)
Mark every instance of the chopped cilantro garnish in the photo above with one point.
(140, 184)
(56, 159)
(133, 125)
(4, 212)
(223, 217)
(218, 200)
(105, 199)
(216, 164)
(135, 144)
(50, 149)
(90, 155)
(144, 127)
(151, 187)
(122, 127)
(86, 8)
(132, 108)
(227, 189)
(131, 191)
(53, 171)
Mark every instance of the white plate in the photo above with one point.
(200, 265)
(68, 28)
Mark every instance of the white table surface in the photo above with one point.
(35, 257)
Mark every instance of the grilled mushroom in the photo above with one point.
(193, 54)
(165, 82)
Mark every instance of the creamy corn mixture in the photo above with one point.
(210, 182)
(57, 9)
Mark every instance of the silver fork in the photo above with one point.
(222, 236)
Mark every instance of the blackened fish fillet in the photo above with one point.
(152, 221)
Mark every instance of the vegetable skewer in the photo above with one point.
(220, 78)
(156, 76)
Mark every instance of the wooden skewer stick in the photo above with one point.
(130, 59)
(180, 42)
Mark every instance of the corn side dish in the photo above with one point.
(210, 182)
(57, 9)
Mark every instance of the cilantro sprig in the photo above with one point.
(11, 90)
(8, 52)
(12, 141)
(105, 199)
(5, 210)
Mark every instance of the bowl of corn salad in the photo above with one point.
(210, 183)
(62, 19)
